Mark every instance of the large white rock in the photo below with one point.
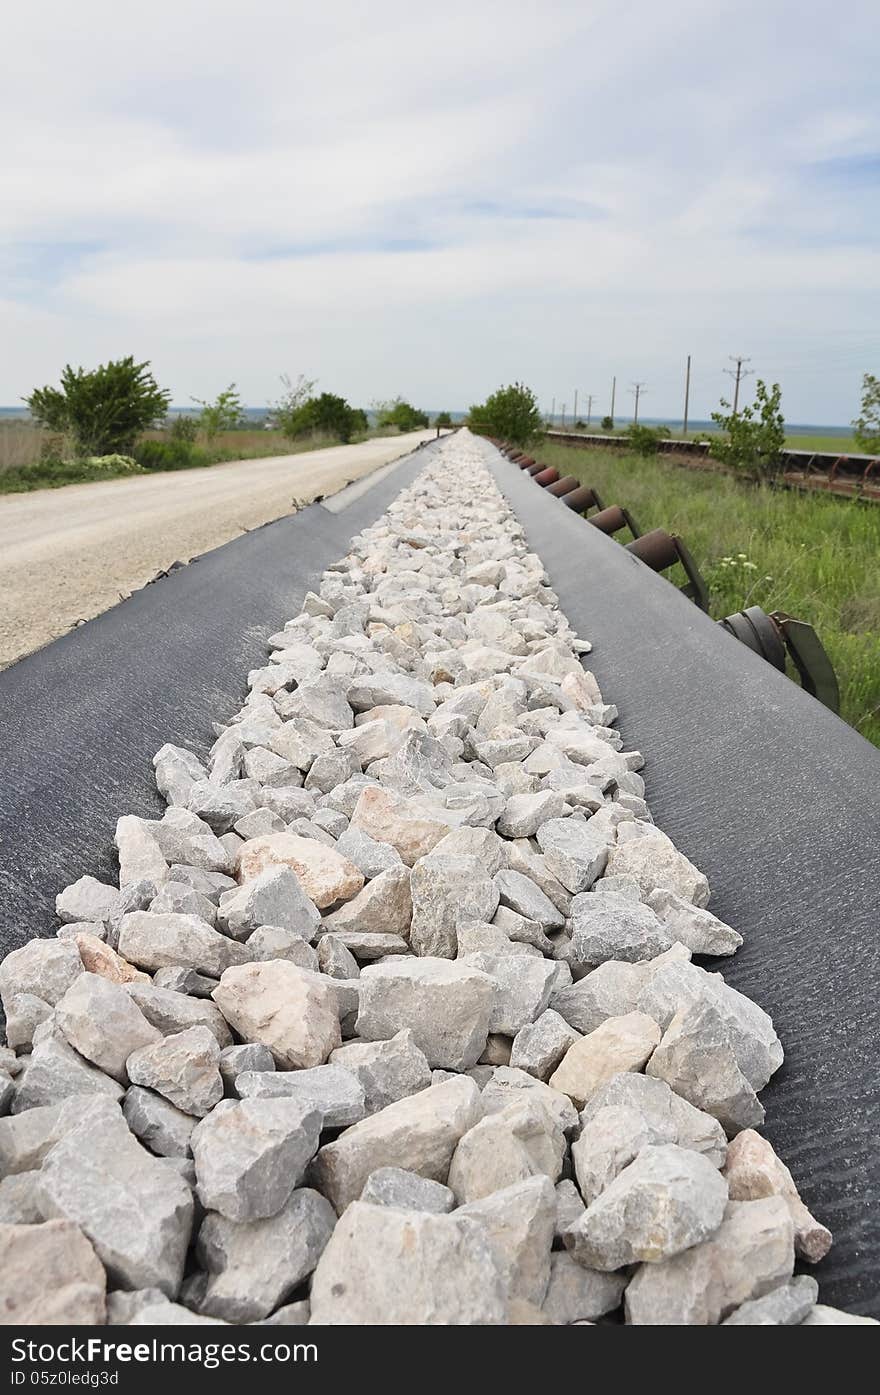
(250, 1154)
(411, 826)
(102, 1022)
(519, 1223)
(51, 1277)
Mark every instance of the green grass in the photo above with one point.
(231, 445)
(815, 557)
(836, 445)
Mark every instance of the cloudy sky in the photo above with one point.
(434, 199)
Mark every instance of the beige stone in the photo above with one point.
(753, 1170)
(618, 1044)
(291, 1010)
(408, 825)
(99, 958)
(325, 875)
(50, 1276)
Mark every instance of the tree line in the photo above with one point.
(106, 410)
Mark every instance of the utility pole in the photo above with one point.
(575, 413)
(589, 408)
(737, 374)
(553, 413)
(687, 394)
(637, 389)
(563, 416)
(613, 395)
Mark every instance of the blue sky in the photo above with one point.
(399, 198)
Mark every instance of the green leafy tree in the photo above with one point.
(184, 429)
(511, 414)
(607, 423)
(400, 414)
(754, 437)
(293, 398)
(225, 413)
(866, 426)
(102, 411)
(443, 419)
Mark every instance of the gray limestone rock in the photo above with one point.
(519, 1141)
(407, 1191)
(697, 1059)
(699, 929)
(161, 941)
(786, 1306)
(160, 1125)
(525, 813)
(100, 1020)
(366, 853)
(387, 1070)
(574, 852)
(291, 1010)
(183, 1067)
(383, 907)
(274, 897)
(51, 1276)
(608, 926)
(419, 1133)
(43, 969)
(750, 1254)
(87, 900)
(446, 1005)
(664, 1202)
(578, 1294)
(519, 1222)
(385, 1267)
(523, 985)
(253, 1266)
(175, 1012)
(447, 888)
(133, 1207)
(336, 959)
(250, 1154)
(54, 1071)
(235, 1060)
(274, 942)
(539, 1045)
(331, 1089)
(525, 897)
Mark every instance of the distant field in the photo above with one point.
(815, 557)
(838, 445)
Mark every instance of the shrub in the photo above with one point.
(103, 411)
(327, 414)
(511, 414)
(607, 423)
(866, 427)
(166, 455)
(443, 419)
(294, 397)
(225, 413)
(755, 436)
(645, 440)
(118, 464)
(399, 414)
(183, 429)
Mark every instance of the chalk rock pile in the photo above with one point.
(396, 1015)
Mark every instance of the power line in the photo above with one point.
(738, 374)
(637, 389)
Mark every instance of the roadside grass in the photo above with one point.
(812, 556)
(839, 445)
(23, 469)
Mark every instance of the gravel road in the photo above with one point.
(68, 554)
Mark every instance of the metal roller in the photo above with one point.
(776, 635)
(546, 476)
(613, 519)
(659, 550)
(579, 500)
(563, 486)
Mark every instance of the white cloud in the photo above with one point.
(430, 201)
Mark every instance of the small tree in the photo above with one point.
(511, 414)
(866, 426)
(225, 413)
(292, 399)
(754, 436)
(103, 411)
(607, 423)
(443, 419)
